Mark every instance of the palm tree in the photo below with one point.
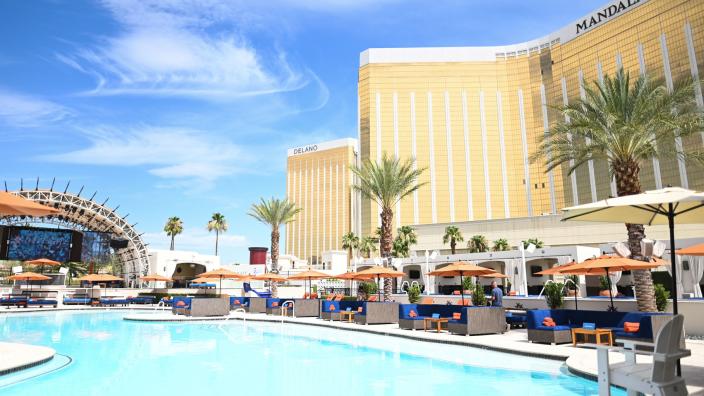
(275, 212)
(500, 245)
(350, 241)
(173, 227)
(405, 238)
(452, 235)
(367, 246)
(535, 241)
(386, 183)
(625, 124)
(218, 224)
(75, 269)
(478, 244)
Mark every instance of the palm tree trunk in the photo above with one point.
(217, 236)
(274, 260)
(628, 183)
(387, 216)
(172, 241)
(453, 244)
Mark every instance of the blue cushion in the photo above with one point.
(589, 326)
(436, 315)
(553, 328)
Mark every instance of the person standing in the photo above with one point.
(497, 295)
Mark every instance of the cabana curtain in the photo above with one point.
(678, 266)
(696, 270)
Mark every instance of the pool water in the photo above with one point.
(111, 356)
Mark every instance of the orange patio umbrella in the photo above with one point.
(461, 269)
(271, 277)
(696, 250)
(93, 278)
(378, 272)
(14, 205)
(222, 273)
(493, 275)
(605, 263)
(309, 275)
(346, 276)
(155, 278)
(28, 276)
(42, 262)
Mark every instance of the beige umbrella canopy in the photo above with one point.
(665, 206)
(13, 205)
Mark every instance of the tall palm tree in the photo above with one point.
(274, 212)
(386, 183)
(625, 123)
(452, 235)
(350, 241)
(218, 224)
(173, 227)
(478, 244)
(75, 269)
(405, 238)
(500, 245)
(367, 246)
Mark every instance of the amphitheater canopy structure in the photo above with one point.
(86, 214)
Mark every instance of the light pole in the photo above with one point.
(428, 257)
(530, 249)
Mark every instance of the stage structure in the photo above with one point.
(84, 214)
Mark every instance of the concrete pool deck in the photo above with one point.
(580, 361)
(15, 357)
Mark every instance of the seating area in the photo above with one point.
(239, 302)
(554, 326)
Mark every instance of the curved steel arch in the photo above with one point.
(93, 216)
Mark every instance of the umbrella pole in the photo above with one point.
(462, 289)
(611, 295)
(673, 259)
(378, 289)
(673, 263)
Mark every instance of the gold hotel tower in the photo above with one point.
(319, 182)
(473, 116)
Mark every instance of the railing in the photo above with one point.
(284, 305)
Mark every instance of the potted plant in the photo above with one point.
(603, 286)
(478, 297)
(572, 285)
(413, 293)
(553, 295)
(661, 296)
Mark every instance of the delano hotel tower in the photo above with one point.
(473, 116)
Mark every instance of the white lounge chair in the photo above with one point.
(658, 378)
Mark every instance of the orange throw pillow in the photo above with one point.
(456, 315)
(360, 309)
(631, 327)
(548, 322)
(274, 304)
(332, 307)
(237, 302)
(412, 314)
(181, 304)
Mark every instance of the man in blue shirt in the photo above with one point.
(497, 295)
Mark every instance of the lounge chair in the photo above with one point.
(76, 299)
(13, 299)
(142, 300)
(111, 302)
(658, 378)
(43, 299)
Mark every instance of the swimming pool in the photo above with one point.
(111, 356)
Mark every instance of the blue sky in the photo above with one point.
(184, 108)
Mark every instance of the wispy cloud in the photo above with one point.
(170, 153)
(196, 239)
(191, 48)
(26, 111)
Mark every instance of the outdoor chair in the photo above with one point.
(658, 378)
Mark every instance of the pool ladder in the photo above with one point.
(160, 304)
(284, 307)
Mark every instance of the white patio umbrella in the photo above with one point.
(664, 206)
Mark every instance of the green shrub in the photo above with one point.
(604, 283)
(661, 296)
(413, 293)
(467, 283)
(478, 297)
(553, 295)
(369, 288)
